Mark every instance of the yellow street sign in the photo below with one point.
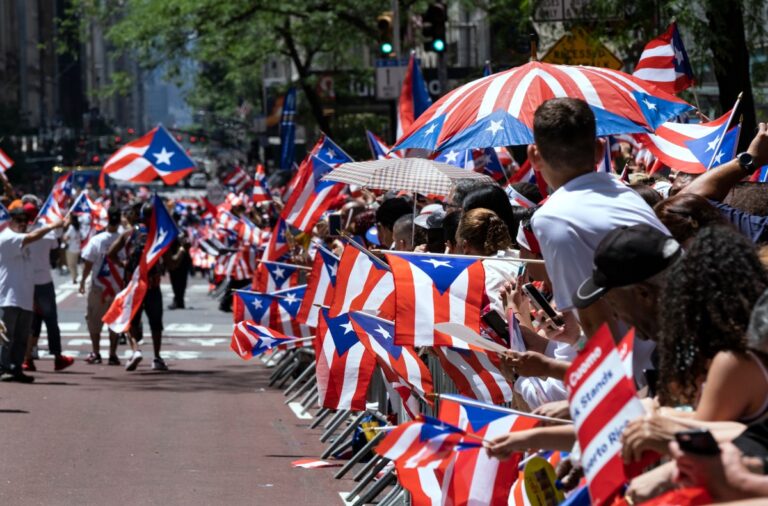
(579, 48)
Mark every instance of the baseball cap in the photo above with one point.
(433, 211)
(626, 256)
(16, 208)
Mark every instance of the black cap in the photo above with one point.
(626, 256)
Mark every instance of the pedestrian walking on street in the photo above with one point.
(179, 264)
(72, 240)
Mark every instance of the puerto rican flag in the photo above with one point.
(248, 232)
(62, 189)
(414, 97)
(109, 278)
(272, 276)
(92, 217)
(344, 366)
(5, 217)
(226, 220)
(320, 286)
(250, 339)
(462, 159)
(311, 196)
(432, 289)
(602, 400)
(5, 161)
(162, 232)
(50, 212)
(238, 180)
(400, 364)
(156, 154)
(261, 191)
(673, 143)
(664, 62)
(277, 245)
(476, 374)
(487, 161)
(275, 310)
(473, 477)
(363, 282)
(379, 149)
(423, 442)
(525, 174)
(518, 199)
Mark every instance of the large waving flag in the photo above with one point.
(716, 148)
(250, 339)
(50, 212)
(414, 97)
(363, 282)
(156, 154)
(674, 143)
(311, 197)
(320, 286)
(162, 232)
(400, 364)
(432, 289)
(664, 62)
(344, 366)
(5, 161)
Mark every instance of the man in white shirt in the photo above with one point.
(584, 207)
(103, 286)
(16, 290)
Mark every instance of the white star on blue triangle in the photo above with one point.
(342, 339)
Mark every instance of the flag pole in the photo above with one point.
(378, 261)
(720, 140)
(501, 409)
(283, 264)
(476, 257)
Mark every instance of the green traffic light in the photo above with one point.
(386, 48)
(438, 45)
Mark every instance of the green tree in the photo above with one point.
(231, 40)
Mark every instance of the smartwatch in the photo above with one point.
(746, 162)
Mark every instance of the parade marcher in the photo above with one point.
(134, 241)
(72, 240)
(44, 307)
(179, 265)
(16, 291)
(100, 296)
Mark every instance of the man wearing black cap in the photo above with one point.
(16, 290)
(629, 266)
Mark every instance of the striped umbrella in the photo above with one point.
(498, 110)
(418, 175)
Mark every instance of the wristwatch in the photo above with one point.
(746, 162)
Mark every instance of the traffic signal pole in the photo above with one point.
(396, 27)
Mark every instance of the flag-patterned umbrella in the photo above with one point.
(498, 110)
(417, 175)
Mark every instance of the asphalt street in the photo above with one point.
(209, 431)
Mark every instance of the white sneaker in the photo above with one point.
(158, 364)
(133, 362)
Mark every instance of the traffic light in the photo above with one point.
(384, 24)
(433, 27)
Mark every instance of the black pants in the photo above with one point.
(226, 299)
(179, 284)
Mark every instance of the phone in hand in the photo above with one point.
(497, 323)
(334, 224)
(540, 302)
(697, 442)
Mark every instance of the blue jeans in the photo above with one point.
(17, 323)
(45, 311)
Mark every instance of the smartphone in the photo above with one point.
(540, 303)
(334, 223)
(697, 442)
(652, 379)
(497, 323)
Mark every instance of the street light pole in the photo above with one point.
(396, 27)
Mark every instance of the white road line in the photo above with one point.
(63, 294)
(189, 327)
(208, 342)
(298, 410)
(69, 326)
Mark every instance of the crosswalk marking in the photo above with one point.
(189, 327)
(208, 342)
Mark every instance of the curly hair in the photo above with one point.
(686, 213)
(484, 230)
(705, 308)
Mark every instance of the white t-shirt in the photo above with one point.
(15, 271)
(73, 239)
(574, 220)
(40, 252)
(96, 249)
